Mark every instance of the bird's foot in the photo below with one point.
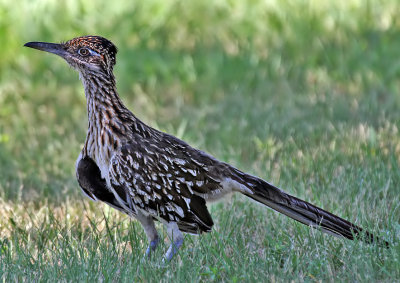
(152, 247)
(173, 249)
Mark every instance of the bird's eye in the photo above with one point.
(84, 52)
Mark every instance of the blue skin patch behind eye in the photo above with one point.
(92, 52)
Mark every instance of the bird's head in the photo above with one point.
(85, 54)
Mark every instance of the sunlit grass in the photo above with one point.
(302, 93)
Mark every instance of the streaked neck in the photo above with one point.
(101, 95)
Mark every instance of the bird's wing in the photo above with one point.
(159, 179)
(91, 183)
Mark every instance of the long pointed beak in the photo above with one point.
(54, 48)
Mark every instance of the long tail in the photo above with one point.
(301, 210)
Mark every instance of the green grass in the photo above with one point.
(304, 94)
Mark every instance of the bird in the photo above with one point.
(154, 176)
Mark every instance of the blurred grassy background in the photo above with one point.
(302, 93)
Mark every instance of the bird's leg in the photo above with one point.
(150, 230)
(176, 238)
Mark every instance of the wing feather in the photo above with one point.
(163, 185)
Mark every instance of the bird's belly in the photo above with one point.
(102, 160)
(103, 166)
(99, 152)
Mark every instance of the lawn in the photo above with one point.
(305, 94)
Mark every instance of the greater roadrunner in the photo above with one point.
(151, 175)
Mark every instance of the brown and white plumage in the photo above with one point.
(151, 175)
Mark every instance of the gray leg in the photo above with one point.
(150, 230)
(176, 238)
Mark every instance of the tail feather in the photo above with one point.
(304, 212)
